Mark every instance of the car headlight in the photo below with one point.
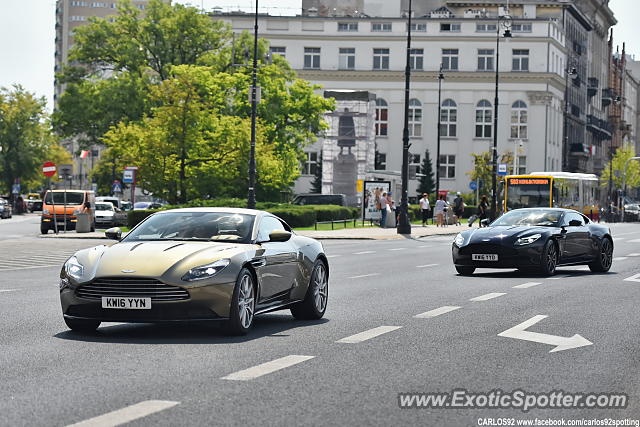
(205, 271)
(45, 211)
(74, 268)
(76, 211)
(527, 240)
(459, 240)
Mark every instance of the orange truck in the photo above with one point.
(63, 206)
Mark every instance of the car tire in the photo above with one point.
(465, 270)
(44, 229)
(549, 258)
(603, 262)
(82, 325)
(243, 304)
(314, 304)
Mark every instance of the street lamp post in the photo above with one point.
(251, 198)
(506, 23)
(439, 132)
(404, 226)
(570, 72)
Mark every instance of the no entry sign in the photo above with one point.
(49, 169)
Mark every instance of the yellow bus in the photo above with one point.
(578, 191)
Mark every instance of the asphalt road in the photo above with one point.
(194, 375)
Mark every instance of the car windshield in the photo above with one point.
(104, 207)
(203, 226)
(540, 217)
(64, 197)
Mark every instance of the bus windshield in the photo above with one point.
(528, 193)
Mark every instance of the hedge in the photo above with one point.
(135, 217)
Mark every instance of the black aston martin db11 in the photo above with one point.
(535, 240)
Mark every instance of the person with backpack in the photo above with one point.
(458, 208)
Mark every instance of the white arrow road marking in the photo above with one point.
(527, 285)
(367, 335)
(561, 343)
(364, 275)
(267, 368)
(488, 296)
(634, 278)
(437, 312)
(128, 414)
(426, 265)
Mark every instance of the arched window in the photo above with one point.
(448, 118)
(483, 119)
(519, 120)
(382, 117)
(415, 117)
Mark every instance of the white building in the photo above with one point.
(369, 54)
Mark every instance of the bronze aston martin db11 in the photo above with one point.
(196, 264)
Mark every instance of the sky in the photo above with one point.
(27, 35)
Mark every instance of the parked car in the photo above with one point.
(126, 205)
(107, 214)
(113, 200)
(5, 209)
(217, 264)
(34, 205)
(141, 206)
(632, 212)
(319, 199)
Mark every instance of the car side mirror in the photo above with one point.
(114, 233)
(279, 236)
(575, 223)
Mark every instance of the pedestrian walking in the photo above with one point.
(425, 208)
(384, 208)
(482, 210)
(440, 209)
(458, 208)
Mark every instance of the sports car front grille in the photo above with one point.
(131, 287)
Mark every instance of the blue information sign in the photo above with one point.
(473, 185)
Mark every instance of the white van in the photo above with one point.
(114, 201)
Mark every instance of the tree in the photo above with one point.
(316, 184)
(483, 170)
(619, 159)
(25, 138)
(427, 181)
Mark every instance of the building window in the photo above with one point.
(520, 60)
(483, 119)
(382, 117)
(77, 18)
(348, 26)
(419, 27)
(448, 118)
(519, 120)
(486, 28)
(415, 117)
(521, 28)
(278, 50)
(381, 26)
(380, 161)
(522, 165)
(414, 161)
(347, 58)
(450, 27)
(311, 57)
(98, 4)
(79, 3)
(447, 166)
(485, 59)
(450, 59)
(380, 59)
(310, 166)
(416, 59)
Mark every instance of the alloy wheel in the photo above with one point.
(246, 301)
(606, 254)
(552, 258)
(320, 287)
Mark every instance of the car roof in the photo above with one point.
(104, 202)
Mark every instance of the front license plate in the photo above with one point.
(484, 257)
(126, 303)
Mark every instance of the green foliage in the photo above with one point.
(296, 216)
(621, 156)
(25, 139)
(483, 169)
(136, 217)
(427, 181)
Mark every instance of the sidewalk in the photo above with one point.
(369, 233)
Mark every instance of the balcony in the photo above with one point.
(592, 86)
(578, 148)
(607, 97)
(599, 126)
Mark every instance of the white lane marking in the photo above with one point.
(618, 239)
(527, 285)
(564, 276)
(619, 258)
(397, 249)
(128, 414)
(29, 268)
(425, 246)
(367, 335)
(10, 290)
(426, 265)
(561, 343)
(437, 312)
(634, 278)
(364, 275)
(634, 254)
(364, 252)
(332, 256)
(486, 297)
(633, 241)
(267, 368)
